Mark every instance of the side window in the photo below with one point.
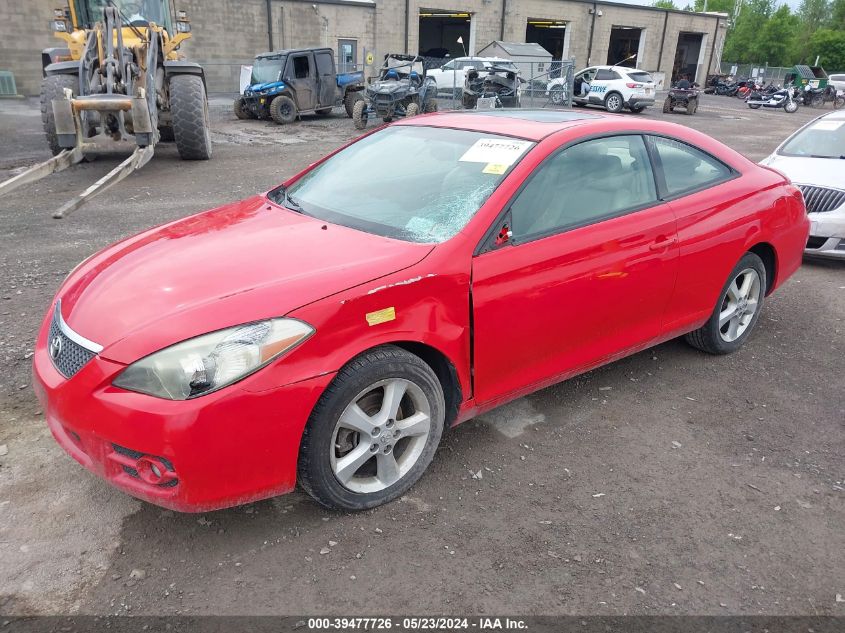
(324, 64)
(448, 66)
(686, 168)
(301, 67)
(584, 184)
(605, 74)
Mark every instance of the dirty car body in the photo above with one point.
(332, 333)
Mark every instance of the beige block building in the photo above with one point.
(228, 33)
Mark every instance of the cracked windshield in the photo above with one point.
(417, 184)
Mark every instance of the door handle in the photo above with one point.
(662, 243)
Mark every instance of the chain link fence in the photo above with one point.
(541, 84)
(763, 73)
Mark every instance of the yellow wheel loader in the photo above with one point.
(118, 79)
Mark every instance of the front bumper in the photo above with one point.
(827, 234)
(228, 448)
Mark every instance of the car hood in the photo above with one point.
(821, 172)
(243, 262)
(255, 88)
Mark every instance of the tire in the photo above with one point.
(359, 114)
(614, 103)
(412, 110)
(817, 101)
(667, 105)
(430, 106)
(838, 102)
(241, 110)
(690, 109)
(557, 95)
(324, 111)
(715, 339)
(283, 110)
(469, 102)
(754, 106)
(791, 107)
(189, 110)
(368, 481)
(350, 100)
(53, 87)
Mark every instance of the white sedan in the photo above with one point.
(814, 159)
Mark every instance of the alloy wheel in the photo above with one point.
(380, 435)
(739, 305)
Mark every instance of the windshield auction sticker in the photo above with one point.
(496, 151)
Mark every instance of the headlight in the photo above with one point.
(206, 363)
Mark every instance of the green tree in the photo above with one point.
(742, 41)
(837, 10)
(814, 14)
(720, 6)
(664, 4)
(829, 45)
(774, 44)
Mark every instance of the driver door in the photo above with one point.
(300, 75)
(586, 276)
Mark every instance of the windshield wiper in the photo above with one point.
(281, 196)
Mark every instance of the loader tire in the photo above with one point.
(189, 110)
(53, 87)
(283, 110)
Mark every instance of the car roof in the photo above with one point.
(535, 125)
(626, 69)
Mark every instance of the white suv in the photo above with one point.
(451, 75)
(614, 87)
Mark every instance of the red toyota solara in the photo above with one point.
(327, 332)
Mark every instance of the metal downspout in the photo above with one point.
(662, 42)
(270, 24)
(407, 19)
(592, 30)
(502, 28)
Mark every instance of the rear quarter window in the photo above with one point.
(641, 77)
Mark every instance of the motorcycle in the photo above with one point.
(787, 98)
(814, 97)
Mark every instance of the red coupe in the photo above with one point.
(327, 332)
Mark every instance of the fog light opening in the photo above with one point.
(152, 470)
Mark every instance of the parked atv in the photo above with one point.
(497, 83)
(285, 84)
(686, 98)
(402, 89)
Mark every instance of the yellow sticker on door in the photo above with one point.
(381, 316)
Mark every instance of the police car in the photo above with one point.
(614, 87)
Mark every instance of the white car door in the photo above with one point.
(445, 76)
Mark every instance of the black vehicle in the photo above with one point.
(402, 89)
(786, 98)
(287, 83)
(682, 96)
(499, 83)
(814, 97)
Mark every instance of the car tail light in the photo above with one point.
(632, 85)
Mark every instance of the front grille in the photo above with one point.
(821, 199)
(67, 356)
(816, 242)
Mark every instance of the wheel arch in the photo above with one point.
(767, 253)
(445, 372)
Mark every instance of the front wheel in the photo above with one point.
(283, 110)
(350, 100)
(557, 95)
(614, 103)
(754, 106)
(737, 310)
(53, 87)
(791, 107)
(373, 432)
(241, 110)
(667, 105)
(189, 111)
(359, 114)
(839, 102)
(412, 110)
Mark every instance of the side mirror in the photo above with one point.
(504, 236)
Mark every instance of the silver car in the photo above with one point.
(813, 158)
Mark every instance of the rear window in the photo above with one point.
(641, 77)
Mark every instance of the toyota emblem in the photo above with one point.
(55, 347)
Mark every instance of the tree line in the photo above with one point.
(763, 32)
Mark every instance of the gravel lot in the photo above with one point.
(670, 482)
